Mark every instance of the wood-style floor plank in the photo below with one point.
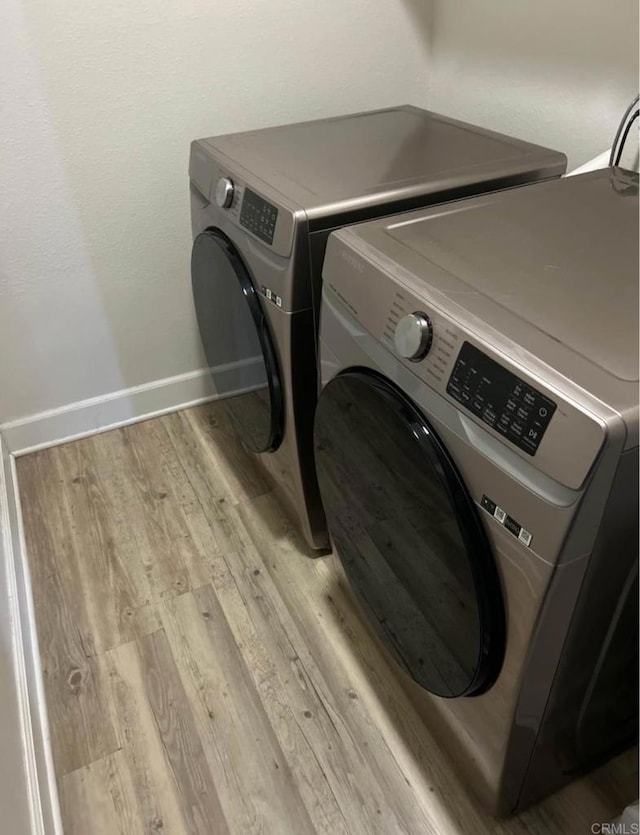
(203, 675)
(181, 742)
(79, 714)
(256, 783)
(144, 760)
(285, 671)
(212, 430)
(206, 461)
(100, 799)
(304, 728)
(150, 486)
(336, 642)
(115, 589)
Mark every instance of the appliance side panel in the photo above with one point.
(592, 712)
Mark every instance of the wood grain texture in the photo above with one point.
(180, 740)
(340, 747)
(79, 716)
(212, 430)
(115, 590)
(204, 676)
(148, 487)
(254, 777)
(98, 798)
(144, 764)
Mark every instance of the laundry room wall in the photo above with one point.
(98, 104)
(560, 74)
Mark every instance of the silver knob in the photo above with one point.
(224, 192)
(413, 336)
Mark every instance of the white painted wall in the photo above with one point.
(98, 104)
(557, 73)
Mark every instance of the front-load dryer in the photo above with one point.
(476, 442)
(262, 206)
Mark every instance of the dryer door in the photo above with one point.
(408, 536)
(234, 329)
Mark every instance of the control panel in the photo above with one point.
(515, 400)
(258, 216)
(500, 399)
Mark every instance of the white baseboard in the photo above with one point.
(31, 805)
(120, 408)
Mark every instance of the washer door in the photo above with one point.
(408, 536)
(225, 298)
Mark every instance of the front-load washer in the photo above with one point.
(262, 206)
(476, 442)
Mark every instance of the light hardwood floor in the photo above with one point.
(203, 675)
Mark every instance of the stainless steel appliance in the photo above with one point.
(262, 206)
(476, 443)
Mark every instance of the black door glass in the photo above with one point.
(234, 331)
(407, 534)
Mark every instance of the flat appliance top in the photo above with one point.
(377, 156)
(561, 256)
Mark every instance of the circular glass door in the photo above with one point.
(234, 332)
(408, 536)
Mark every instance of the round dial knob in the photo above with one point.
(224, 192)
(413, 336)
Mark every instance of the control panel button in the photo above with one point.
(258, 216)
(413, 336)
(224, 192)
(500, 399)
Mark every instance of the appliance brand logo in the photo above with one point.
(353, 260)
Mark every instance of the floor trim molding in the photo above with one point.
(38, 785)
(121, 408)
